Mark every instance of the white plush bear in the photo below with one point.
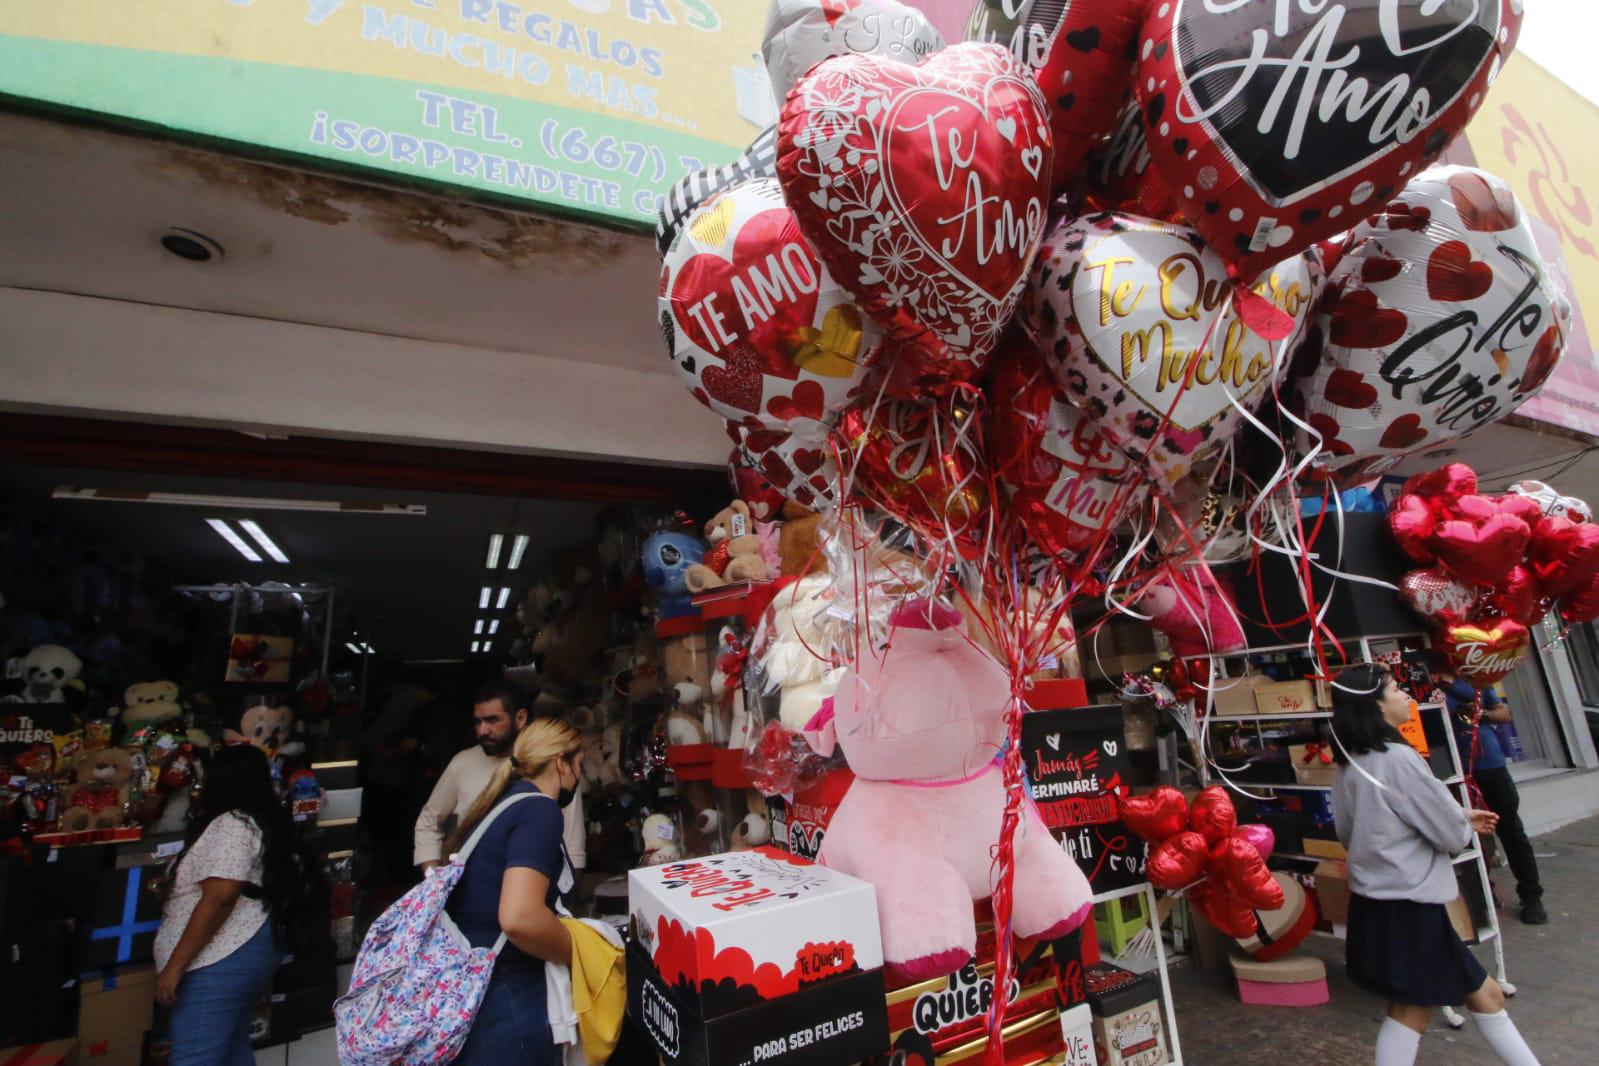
(46, 671)
(660, 841)
(796, 646)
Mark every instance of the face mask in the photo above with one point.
(566, 796)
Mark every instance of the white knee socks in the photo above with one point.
(1396, 1044)
(1504, 1038)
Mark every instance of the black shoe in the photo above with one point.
(1532, 913)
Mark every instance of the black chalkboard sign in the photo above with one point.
(1076, 759)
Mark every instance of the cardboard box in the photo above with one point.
(1332, 891)
(1324, 849)
(126, 914)
(1460, 918)
(1234, 696)
(1128, 1027)
(51, 1053)
(1285, 697)
(1313, 764)
(760, 924)
(116, 1009)
(838, 1020)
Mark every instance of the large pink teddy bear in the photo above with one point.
(1195, 613)
(921, 722)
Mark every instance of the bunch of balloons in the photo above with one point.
(1493, 566)
(1204, 840)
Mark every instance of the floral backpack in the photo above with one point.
(417, 983)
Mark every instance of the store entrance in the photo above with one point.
(162, 597)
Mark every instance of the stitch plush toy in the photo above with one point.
(921, 721)
(667, 556)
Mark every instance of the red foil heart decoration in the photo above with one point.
(1158, 816)
(1212, 814)
(1564, 555)
(1482, 554)
(1442, 486)
(1413, 522)
(1232, 917)
(924, 189)
(1439, 597)
(1059, 472)
(800, 470)
(1237, 869)
(1482, 654)
(1516, 597)
(915, 462)
(1582, 605)
(1178, 861)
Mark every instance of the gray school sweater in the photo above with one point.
(1402, 834)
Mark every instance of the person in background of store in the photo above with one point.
(511, 884)
(236, 895)
(1492, 775)
(389, 757)
(1401, 828)
(500, 712)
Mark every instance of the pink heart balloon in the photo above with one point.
(1260, 837)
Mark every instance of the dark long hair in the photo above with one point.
(238, 780)
(1357, 719)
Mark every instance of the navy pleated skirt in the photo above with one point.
(1409, 952)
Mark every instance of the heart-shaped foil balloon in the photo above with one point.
(1260, 837)
(801, 470)
(757, 329)
(1137, 320)
(918, 463)
(1516, 597)
(1233, 917)
(802, 33)
(1482, 653)
(1552, 503)
(1482, 553)
(1582, 605)
(1236, 868)
(1157, 816)
(1177, 861)
(1080, 55)
(1119, 177)
(1437, 596)
(1441, 487)
(1413, 522)
(1062, 477)
(924, 189)
(1212, 814)
(1564, 555)
(750, 484)
(1412, 359)
(1255, 123)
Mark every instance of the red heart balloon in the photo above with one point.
(1233, 918)
(1581, 605)
(1437, 596)
(1158, 816)
(1119, 178)
(1212, 814)
(1178, 861)
(1413, 522)
(1265, 155)
(1081, 57)
(1516, 597)
(1443, 486)
(924, 189)
(917, 463)
(1525, 508)
(1482, 653)
(1058, 470)
(1482, 554)
(1236, 868)
(1564, 555)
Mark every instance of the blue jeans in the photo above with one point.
(512, 1027)
(211, 1019)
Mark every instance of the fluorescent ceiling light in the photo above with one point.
(518, 547)
(370, 650)
(275, 553)
(360, 647)
(352, 647)
(477, 646)
(477, 628)
(483, 598)
(496, 542)
(226, 532)
(494, 627)
(252, 503)
(505, 597)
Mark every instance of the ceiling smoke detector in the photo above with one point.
(187, 244)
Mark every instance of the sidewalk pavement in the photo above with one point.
(1554, 967)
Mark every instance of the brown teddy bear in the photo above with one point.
(735, 554)
(102, 790)
(798, 542)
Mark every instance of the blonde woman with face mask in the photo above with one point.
(511, 884)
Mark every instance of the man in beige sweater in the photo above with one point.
(500, 711)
